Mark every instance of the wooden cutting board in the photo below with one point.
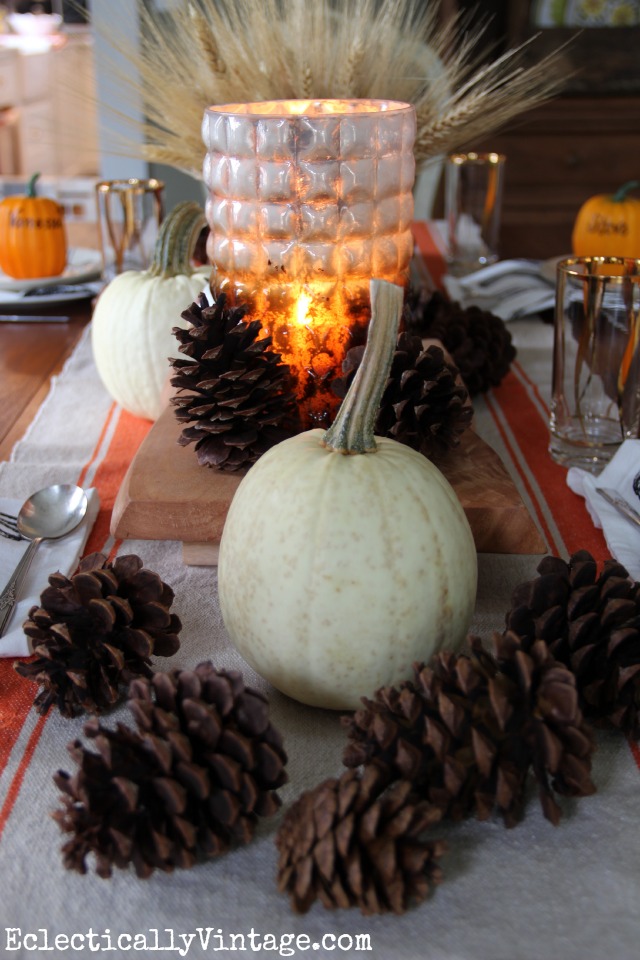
(167, 495)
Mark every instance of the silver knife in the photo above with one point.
(31, 318)
(621, 505)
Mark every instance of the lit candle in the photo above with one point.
(307, 201)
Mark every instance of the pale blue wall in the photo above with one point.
(109, 18)
(120, 17)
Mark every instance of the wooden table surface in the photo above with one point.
(30, 354)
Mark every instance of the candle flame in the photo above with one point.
(302, 308)
(312, 332)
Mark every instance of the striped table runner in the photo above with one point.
(532, 892)
(89, 443)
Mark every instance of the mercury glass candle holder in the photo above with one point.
(308, 200)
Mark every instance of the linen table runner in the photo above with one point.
(536, 891)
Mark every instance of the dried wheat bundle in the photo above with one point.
(207, 52)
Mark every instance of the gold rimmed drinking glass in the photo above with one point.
(595, 401)
(474, 184)
(129, 217)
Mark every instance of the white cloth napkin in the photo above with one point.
(52, 556)
(620, 474)
(508, 288)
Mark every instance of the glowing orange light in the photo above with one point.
(302, 308)
(312, 334)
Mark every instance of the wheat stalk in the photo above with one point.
(349, 79)
(208, 52)
(206, 42)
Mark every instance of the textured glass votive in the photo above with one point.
(308, 200)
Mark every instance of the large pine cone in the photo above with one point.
(234, 390)
(478, 340)
(467, 735)
(424, 404)
(350, 844)
(591, 623)
(203, 765)
(95, 632)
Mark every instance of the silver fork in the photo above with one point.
(9, 527)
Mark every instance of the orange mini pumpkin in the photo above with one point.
(32, 236)
(608, 225)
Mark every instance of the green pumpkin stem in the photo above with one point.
(31, 186)
(353, 429)
(621, 193)
(177, 239)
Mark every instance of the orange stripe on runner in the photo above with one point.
(549, 537)
(568, 509)
(114, 550)
(532, 386)
(430, 252)
(17, 695)
(635, 750)
(105, 427)
(16, 783)
(16, 699)
(128, 435)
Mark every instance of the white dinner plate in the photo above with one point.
(83, 263)
(19, 303)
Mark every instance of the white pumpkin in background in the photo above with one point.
(336, 572)
(133, 318)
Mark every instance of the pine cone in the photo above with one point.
(478, 341)
(203, 765)
(96, 631)
(423, 405)
(350, 844)
(591, 623)
(239, 395)
(466, 735)
(559, 742)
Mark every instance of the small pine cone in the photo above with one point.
(591, 623)
(559, 742)
(192, 781)
(233, 389)
(348, 843)
(95, 632)
(424, 404)
(477, 339)
(467, 735)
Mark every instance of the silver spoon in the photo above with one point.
(47, 515)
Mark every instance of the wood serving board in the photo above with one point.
(167, 495)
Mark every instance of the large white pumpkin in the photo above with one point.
(337, 572)
(133, 318)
